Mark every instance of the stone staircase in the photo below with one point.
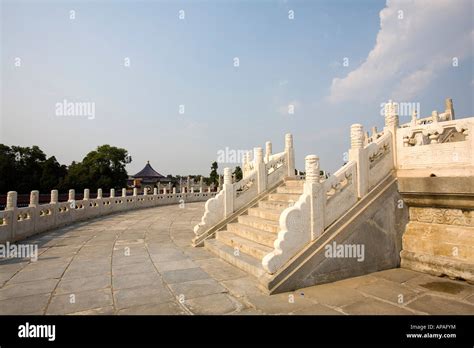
(245, 241)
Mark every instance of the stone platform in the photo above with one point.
(141, 262)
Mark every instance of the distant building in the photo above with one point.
(148, 178)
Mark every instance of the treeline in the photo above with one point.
(24, 169)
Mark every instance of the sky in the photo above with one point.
(161, 78)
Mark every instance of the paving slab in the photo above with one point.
(220, 270)
(15, 290)
(167, 308)
(144, 295)
(73, 285)
(242, 287)
(438, 305)
(134, 280)
(371, 306)
(332, 294)
(184, 275)
(32, 305)
(212, 304)
(197, 288)
(176, 265)
(80, 301)
(288, 303)
(389, 291)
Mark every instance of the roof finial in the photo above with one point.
(148, 162)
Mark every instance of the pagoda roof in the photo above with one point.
(148, 172)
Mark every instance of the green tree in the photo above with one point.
(8, 175)
(101, 168)
(238, 173)
(213, 176)
(28, 168)
(53, 175)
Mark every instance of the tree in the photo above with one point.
(101, 168)
(8, 174)
(238, 173)
(28, 162)
(53, 175)
(213, 176)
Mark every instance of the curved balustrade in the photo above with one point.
(19, 223)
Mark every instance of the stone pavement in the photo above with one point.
(141, 262)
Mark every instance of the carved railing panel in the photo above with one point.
(341, 192)
(245, 190)
(436, 145)
(380, 159)
(275, 169)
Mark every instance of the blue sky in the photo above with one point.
(190, 62)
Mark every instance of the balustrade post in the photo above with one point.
(10, 215)
(12, 198)
(86, 195)
(449, 108)
(358, 154)
(124, 192)
(54, 197)
(174, 190)
(261, 171)
(268, 151)
(158, 189)
(145, 191)
(391, 125)
(155, 191)
(112, 193)
(164, 190)
(246, 164)
(135, 192)
(228, 192)
(290, 155)
(99, 193)
(34, 199)
(315, 189)
(72, 199)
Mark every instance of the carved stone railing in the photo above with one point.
(259, 175)
(19, 223)
(371, 160)
(341, 192)
(436, 145)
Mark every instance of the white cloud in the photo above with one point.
(410, 52)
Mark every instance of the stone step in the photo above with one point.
(294, 183)
(261, 224)
(290, 189)
(245, 262)
(277, 205)
(243, 245)
(284, 197)
(251, 233)
(264, 213)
